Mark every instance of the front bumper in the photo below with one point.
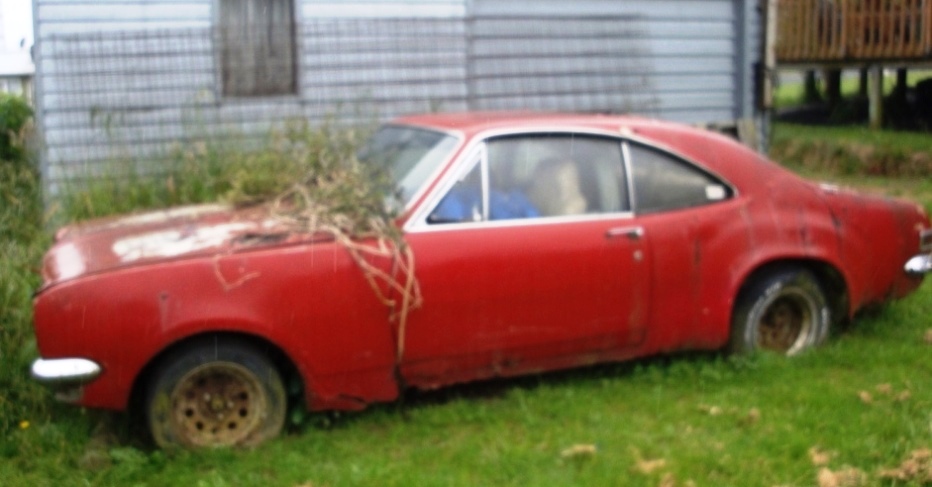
(65, 376)
(919, 265)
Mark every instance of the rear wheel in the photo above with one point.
(216, 392)
(784, 311)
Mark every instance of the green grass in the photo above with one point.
(712, 421)
(204, 171)
(854, 152)
(693, 412)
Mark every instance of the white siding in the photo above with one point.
(79, 16)
(311, 9)
(688, 52)
(127, 79)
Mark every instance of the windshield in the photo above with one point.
(409, 154)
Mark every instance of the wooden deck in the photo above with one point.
(853, 31)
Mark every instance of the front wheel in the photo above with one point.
(215, 392)
(783, 311)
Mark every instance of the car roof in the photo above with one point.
(473, 122)
(716, 152)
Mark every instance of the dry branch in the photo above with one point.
(342, 197)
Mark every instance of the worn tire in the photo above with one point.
(215, 392)
(782, 311)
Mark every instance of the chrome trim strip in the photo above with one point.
(459, 169)
(919, 265)
(460, 139)
(629, 174)
(65, 371)
(486, 185)
(522, 222)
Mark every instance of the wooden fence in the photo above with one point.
(853, 30)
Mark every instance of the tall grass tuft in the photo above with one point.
(853, 151)
(22, 242)
(210, 170)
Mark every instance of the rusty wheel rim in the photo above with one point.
(218, 404)
(787, 323)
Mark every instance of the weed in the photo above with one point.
(15, 115)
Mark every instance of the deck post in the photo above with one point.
(862, 82)
(833, 88)
(875, 96)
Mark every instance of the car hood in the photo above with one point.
(100, 245)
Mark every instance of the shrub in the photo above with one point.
(15, 114)
(200, 171)
(22, 241)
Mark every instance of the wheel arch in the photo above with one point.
(831, 280)
(286, 366)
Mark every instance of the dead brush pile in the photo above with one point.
(336, 194)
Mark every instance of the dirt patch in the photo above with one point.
(916, 468)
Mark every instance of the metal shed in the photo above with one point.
(128, 79)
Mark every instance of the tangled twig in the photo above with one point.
(338, 195)
(227, 285)
(364, 239)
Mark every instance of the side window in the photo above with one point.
(464, 201)
(539, 175)
(663, 182)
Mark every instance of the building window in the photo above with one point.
(257, 47)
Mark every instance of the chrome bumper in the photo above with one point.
(65, 372)
(919, 265)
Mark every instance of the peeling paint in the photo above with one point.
(172, 243)
(141, 219)
(68, 261)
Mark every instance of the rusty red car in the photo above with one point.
(541, 242)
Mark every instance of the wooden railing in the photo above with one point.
(853, 30)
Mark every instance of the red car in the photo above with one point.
(541, 242)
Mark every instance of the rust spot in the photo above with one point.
(251, 239)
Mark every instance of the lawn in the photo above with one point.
(858, 410)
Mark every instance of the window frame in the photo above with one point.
(732, 192)
(460, 167)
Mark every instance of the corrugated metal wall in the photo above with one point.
(125, 79)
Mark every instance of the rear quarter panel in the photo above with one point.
(774, 217)
(867, 239)
(877, 236)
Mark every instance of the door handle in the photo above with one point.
(633, 233)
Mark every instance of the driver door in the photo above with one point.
(528, 259)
